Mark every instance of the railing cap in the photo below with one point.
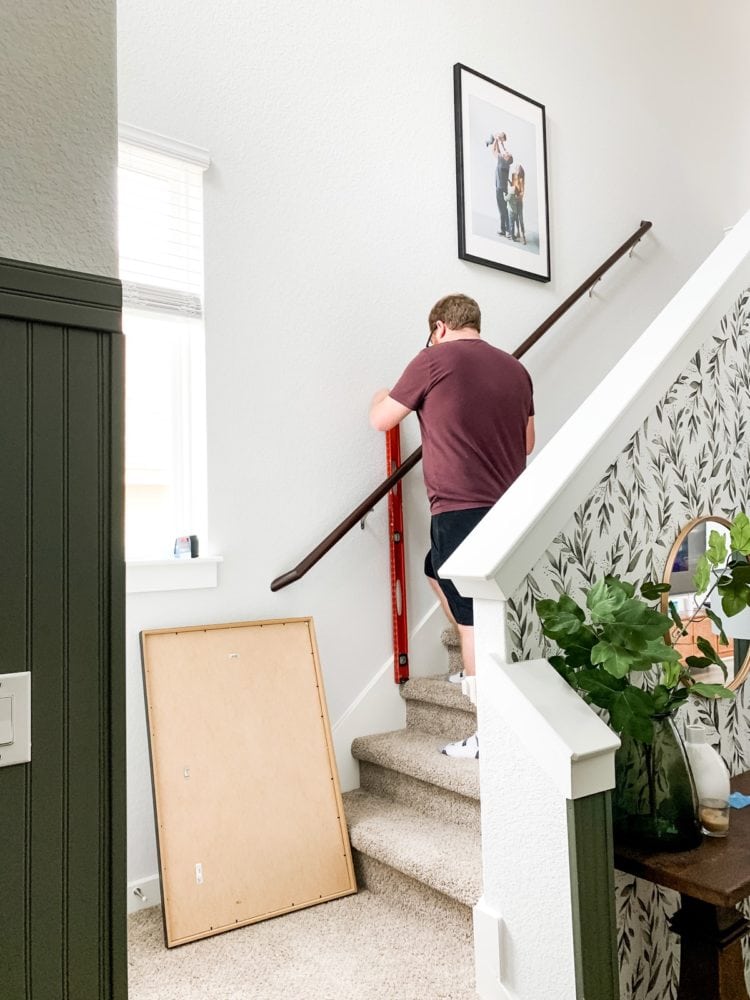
(557, 728)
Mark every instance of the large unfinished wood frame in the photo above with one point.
(250, 822)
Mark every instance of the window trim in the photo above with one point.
(192, 471)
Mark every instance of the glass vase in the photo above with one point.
(655, 804)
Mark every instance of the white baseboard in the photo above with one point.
(488, 948)
(379, 707)
(151, 889)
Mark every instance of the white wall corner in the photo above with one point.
(557, 728)
(427, 654)
(378, 708)
(488, 931)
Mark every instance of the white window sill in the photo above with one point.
(151, 575)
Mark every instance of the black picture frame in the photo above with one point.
(501, 142)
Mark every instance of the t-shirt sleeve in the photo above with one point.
(411, 388)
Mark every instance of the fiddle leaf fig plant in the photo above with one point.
(619, 635)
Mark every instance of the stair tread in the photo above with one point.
(441, 855)
(437, 690)
(417, 754)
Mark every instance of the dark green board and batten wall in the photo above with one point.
(62, 816)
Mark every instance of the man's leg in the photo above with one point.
(443, 600)
(466, 632)
(447, 532)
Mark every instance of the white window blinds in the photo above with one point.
(161, 231)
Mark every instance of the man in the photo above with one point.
(502, 171)
(476, 415)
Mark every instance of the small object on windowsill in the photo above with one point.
(182, 547)
(194, 548)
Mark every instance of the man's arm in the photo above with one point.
(385, 412)
(530, 436)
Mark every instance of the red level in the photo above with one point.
(398, 561)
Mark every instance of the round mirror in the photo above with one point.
(689, 546)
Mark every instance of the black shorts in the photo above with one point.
(447, 531)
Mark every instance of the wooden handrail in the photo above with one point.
(408, 464)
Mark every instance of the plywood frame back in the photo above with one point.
(250, 821)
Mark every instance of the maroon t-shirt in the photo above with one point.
(473, 402)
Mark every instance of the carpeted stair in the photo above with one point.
(414, 822)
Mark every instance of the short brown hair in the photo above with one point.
(456, 311)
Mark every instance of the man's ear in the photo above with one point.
(440, 330)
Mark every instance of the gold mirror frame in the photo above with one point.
(741, 675)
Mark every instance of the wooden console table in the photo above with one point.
(711, 880)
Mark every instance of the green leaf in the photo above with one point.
(661, 695)
(564, 669)
(631, 712)
(578, 648)
(739, 534)
(717, 548)
(560, 619)
(673, 614)
(659, 651)
(711, 690)
(734, 596)
(678, 697)
(698, 662)
(708, 651)
(633, 625)
(615, 583)
(652, 591)
(616, 660)
(601, 686)
(718, 623)
(702, 576)
(603, 600)
(670, 674)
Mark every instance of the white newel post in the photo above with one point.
(541, 746)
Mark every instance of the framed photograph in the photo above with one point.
(501, 176)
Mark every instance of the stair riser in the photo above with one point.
(384, 880)
(452, 723)
(455, 661)
(438, 803)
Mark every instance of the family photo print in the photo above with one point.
(501, 176)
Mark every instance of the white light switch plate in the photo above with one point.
(17, 687)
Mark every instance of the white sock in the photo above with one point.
(469, 688)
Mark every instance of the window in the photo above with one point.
(161, 268)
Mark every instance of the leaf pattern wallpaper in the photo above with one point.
(691, 457)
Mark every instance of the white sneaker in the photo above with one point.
(463, 748)
(457, 677)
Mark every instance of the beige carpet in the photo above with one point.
(362, 947)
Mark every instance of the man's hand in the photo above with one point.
(385, 412)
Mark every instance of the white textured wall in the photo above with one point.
(330, 231)
(58, 134)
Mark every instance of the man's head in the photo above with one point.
(456, 312)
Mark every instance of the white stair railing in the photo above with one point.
(526, 926)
